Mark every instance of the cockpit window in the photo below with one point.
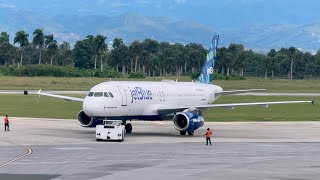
(98, 94)
(110, 94)
(106, 94)
(90, 94)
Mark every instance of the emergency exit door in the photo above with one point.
(123, 95)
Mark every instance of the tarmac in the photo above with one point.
(61, 149)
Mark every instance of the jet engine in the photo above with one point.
(187, 121)
(86, 121)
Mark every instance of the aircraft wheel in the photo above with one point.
(190, 133)
(128, 128)
(183, 133)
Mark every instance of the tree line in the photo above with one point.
(92, 56)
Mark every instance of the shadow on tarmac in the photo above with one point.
(27, 176)
(158, 134)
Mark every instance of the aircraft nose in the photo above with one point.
(89, 107)
(218, 89)
(93, 107)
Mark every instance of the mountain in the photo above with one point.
(213, 13)
(128, 26)
(262, 37)
(77, 24)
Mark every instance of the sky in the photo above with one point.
(215, 13)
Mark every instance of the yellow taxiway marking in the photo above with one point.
(20, 157)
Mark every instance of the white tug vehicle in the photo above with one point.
(110, 130)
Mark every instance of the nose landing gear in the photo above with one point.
(128, 128)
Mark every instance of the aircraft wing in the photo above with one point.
(169, 110)
(68, 98)
(238, 91)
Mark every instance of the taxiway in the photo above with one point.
(61, 149)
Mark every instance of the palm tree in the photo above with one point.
(38, 41)
(4, 37)
(135, 50)
(21, 38)
(99, 47)
(49, 39)
(52, 49)
(292, 54)
(65, 45)
(117, 42)
(90, 37)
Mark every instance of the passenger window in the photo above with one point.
(111, 95)
(106, 94)
(90, 94)
(98, 94)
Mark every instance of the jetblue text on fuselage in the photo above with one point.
(139, 94)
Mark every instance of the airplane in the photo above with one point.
(152, 101)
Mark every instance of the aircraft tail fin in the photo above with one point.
(206, 75)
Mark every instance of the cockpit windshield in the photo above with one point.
(98, 94)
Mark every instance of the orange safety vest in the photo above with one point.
(208, 134)
(6, 120)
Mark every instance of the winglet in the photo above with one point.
(39, 93)
(313, 101)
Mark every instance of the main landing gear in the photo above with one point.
(190, 133)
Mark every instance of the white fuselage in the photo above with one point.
(134, 99)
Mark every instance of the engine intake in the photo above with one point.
(187, 121)
(86, 121)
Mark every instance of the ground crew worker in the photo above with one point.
(208, 136)
(6, 123)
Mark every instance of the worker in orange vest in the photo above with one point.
(6, 123)
(208, 136)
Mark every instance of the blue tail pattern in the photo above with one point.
(206, 75)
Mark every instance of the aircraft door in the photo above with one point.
(161, 96)
(123, 95)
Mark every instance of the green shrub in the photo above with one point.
(108, 73)
(195, 75)
(45, 70)
(136, 75)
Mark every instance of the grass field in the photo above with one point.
(54, 83)
(47, 107)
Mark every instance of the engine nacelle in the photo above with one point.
(86, 121)
(187, 121)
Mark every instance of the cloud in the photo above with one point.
(7, 6)
(67, 36)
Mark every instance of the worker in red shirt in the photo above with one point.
(6, 123)
(208, 136)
